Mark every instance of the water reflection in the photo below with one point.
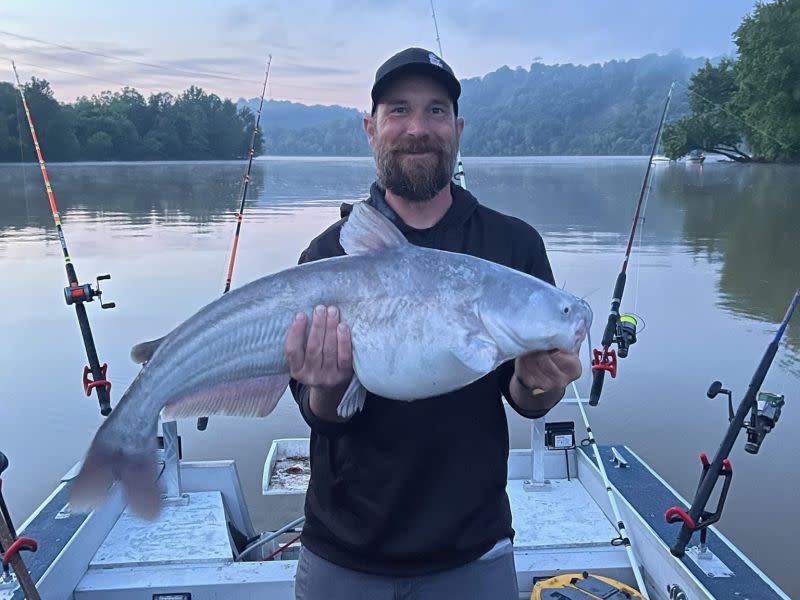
(746, 218)
(131, 194)
(724, 236)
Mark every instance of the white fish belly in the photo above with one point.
(410, 355)
(412, 373)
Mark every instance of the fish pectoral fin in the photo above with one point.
(141, 353)
(367, 230)
(254, 397)
(479, 354)
(353, 399)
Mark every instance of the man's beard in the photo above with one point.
(419, 178)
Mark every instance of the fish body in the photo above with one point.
(423, 322)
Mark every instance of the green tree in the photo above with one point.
(98, 146)
(9, 119)
(54, 124)
(106, 113)
(768, 78)
(712, 126)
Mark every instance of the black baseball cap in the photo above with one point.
(416, 60)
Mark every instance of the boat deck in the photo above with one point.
(562, 526)
(53, 529)
(558, 514)
(650, 496)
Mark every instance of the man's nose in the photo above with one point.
(418, 124)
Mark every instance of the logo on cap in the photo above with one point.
(435, 60)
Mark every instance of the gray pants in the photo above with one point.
(491, 577)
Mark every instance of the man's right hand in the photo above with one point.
(322, 360)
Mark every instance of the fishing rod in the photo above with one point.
(459, 175)
(10, 546)
(621, 329)
(765, 410)
(623, 538)
(202, 422)
(76, 294)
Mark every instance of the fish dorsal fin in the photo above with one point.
(141, 353)
(367, 230)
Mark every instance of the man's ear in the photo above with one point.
(459, 126)
(369, 128)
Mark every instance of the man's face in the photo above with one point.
(414, 135)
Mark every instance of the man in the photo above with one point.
(407, 499)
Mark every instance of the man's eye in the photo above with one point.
(399, 109)
(438, 110)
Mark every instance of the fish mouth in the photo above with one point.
(581, 330)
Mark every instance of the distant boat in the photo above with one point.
(660, 159)
(695, 156)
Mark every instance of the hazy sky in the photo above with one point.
(326, 51)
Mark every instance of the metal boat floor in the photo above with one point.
(650, 497)
(53, 529)
(558, 514)
(194, 532)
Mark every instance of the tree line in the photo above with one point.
(547, 109)
(124, 126)
(608, 109)
(747, 108)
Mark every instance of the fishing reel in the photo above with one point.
(626, 333)
(86, 293)
(623, 331)
(764, 415)
(763, 418)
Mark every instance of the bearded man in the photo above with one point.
(408, 499)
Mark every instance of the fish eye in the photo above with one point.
(566, 310)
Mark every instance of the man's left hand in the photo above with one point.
(547, 370)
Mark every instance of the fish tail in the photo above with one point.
(113, 457)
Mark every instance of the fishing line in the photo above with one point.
(22, 164)
(75, 73)
(764, 412)
(620, 525)
(246, 180)
(436, 27)
(623, 538)
(127, 60)
(166, 68)
(75, 294)
(621, 328)
(152, 89)
(202, 422)
(738, 117)
(640, 243)
(459, 176)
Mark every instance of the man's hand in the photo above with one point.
(540, 378)
(323, 360)
(550, 370)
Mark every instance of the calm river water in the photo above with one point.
(716, 266)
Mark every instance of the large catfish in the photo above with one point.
(424, 322)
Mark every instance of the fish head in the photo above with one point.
(554, 319)
(538, 317)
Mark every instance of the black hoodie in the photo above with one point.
(409, 488)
